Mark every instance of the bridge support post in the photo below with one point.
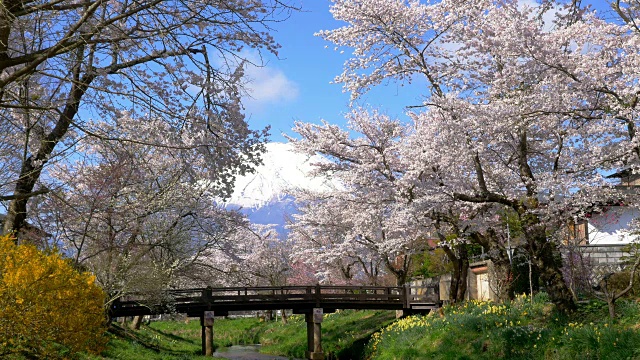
(314, 334)
(406, 302)
(206, 321)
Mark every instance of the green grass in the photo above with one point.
(519, 330)
(175, 340)
(344, 334)
(158, 341)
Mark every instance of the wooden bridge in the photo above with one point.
(313, 301)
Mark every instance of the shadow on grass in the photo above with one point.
(147, 343)
(173, 336)
(356, 351)
(128, 335)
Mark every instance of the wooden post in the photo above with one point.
(206, 321)
(318, 296)
(314, 334)
(406, 302)
(308, 317)
(207, 294)
(203, 338)
(407, 294)
(317, 340)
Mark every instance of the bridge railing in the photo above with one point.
(429, 294)
(302, 293)
(286, 295)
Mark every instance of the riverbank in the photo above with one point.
(521, 329)
(345, 335)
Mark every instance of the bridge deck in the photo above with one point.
(194, 302)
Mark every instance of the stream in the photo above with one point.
(245, 352)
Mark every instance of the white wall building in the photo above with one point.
(612, 226)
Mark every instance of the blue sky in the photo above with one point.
(297, 85)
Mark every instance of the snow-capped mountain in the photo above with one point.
(265, 195)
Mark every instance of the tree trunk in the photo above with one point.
(33, 165)
(458, 286)
(401, 274)
(135, 324)
(612, 308)
(455, 282)
(549, 263)
(464, 272)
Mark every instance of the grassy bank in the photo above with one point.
(176, 340)
(522, 329)
(344, 334)
(165, 340)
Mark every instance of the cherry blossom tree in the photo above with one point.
(379, 217)
(322, 239)
(525, 106)
(253, 255)
(367, 222)
(72, 70)
(259, 257)
(133, 215)
(628, 11)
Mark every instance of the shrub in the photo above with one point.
(619, 281)
(597, 341)
(47, 308)
(525, 328)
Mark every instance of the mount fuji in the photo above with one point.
(265, 196)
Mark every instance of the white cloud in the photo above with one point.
(263, 85)
(267, 86)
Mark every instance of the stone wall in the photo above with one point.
(599, 254)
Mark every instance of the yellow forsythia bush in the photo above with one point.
(47, 308)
